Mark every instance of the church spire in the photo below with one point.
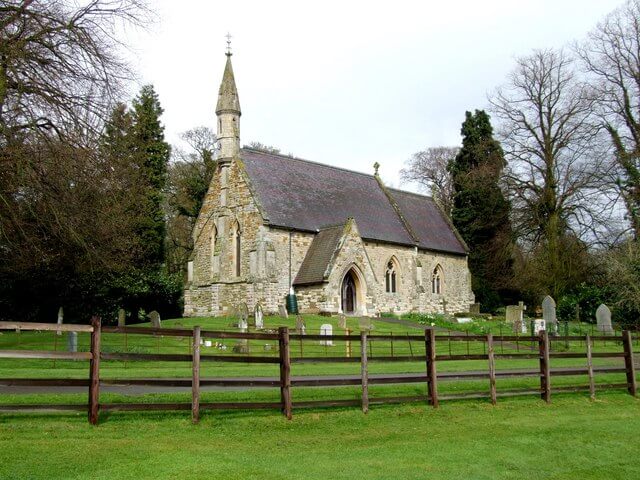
(228, 113)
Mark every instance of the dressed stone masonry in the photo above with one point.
(344, 242)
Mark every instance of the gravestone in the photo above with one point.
(539, 325)
(122, 318)
(474, 308)
(282, 310)
(60, 319)
(72, 342)
(603, 319)
(365, 324)
(342, 321)
(154, 317)
(301, 328)
(243, 316)
(258, 316)
(326, 329)
(549, 311)
(513, 314)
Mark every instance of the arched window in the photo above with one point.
(237, 244)
(391, 278)
(436, 280)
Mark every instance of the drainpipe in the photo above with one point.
(290, 281)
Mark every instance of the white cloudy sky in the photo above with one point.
(346, 82)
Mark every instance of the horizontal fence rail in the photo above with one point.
(286, 348)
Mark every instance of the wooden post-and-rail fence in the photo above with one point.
(285, 382)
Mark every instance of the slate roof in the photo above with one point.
(320, 253)
(302, 195)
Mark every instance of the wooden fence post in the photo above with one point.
(364, 372)
(195, 381)
(492, 368)
(592, 385)
(432, 376)
(545, 369)
(285, 371)
(628, 362)
(94, 372)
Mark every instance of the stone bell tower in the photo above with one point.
(228, 113)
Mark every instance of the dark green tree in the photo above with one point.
(480, 210)
(150, 154)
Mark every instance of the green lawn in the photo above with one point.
(572, 438)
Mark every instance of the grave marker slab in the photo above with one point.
(603, 319)
(326, 329)
(122, 318)
(258, 316)
(154, 317)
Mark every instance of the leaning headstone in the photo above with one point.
(301, 328)
(60, 319)
(603, 319)
(72, 341)
(154, 317)
(282, 310)
(326, 329)
(549, 310)
(122, 318)
(258, 316)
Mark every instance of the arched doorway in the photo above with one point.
(349, 293)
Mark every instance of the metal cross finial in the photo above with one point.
(228, 35)
(376, 166)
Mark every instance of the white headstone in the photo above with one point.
(603, 318)
(539, 325)
(154, 317)
(258, 316)
(72, 341)
(326, 329)
(122, 318)
(60, 318)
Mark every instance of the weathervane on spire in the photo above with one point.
(228, 44)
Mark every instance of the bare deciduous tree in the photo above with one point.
(428, 168)
(555, 174)
(59, 63)
(611, 56)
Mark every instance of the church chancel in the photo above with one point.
(342, 240)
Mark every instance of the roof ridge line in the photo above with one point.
(396, 208)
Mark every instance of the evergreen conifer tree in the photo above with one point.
(481, 212)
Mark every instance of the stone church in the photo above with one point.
(341, 240)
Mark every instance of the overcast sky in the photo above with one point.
(347, 83)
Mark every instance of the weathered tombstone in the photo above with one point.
(603, 319)
(549, 310)
(474, 308)
(342, 321)
(513, 314)
(365, 324)
(301, 328)
(154, 317)
(327, 330)
(258, 316)
(282, 310)
(519, 326)
(60, 319)
(539, 325)
(72, 341)
(122, 318)
(241, 347)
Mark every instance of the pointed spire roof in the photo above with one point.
(228, 94)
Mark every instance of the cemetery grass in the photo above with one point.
(573, 438)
